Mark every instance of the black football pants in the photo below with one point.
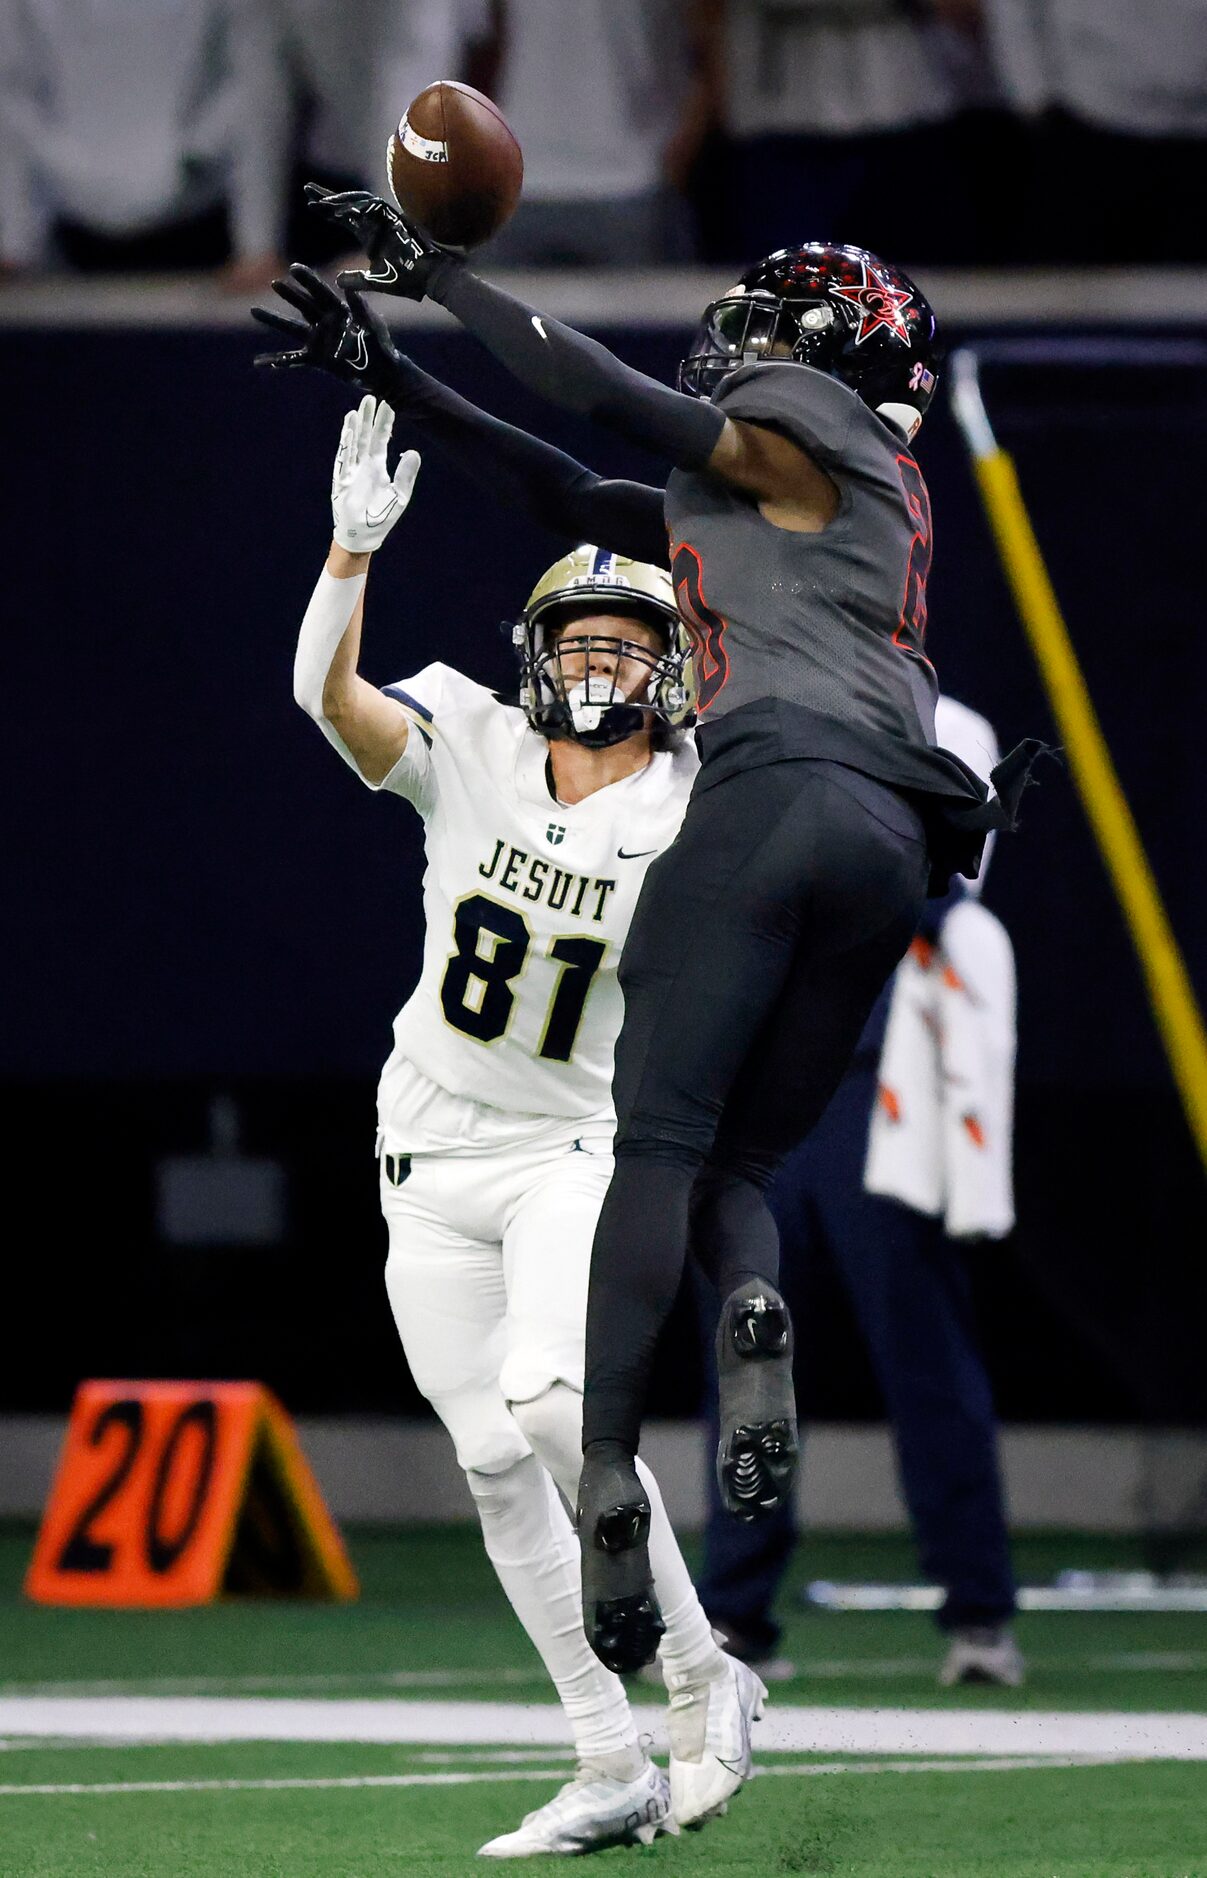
(760, 942)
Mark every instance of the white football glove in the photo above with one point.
(366, 500)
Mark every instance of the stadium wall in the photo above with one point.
(205, 906)
(375, 1471)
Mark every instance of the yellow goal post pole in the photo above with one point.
(1170, 991)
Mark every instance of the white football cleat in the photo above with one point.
(590, 1812)
(709, 1727)
(983, 1653)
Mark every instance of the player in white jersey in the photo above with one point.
(495, 1116)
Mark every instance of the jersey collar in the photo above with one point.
(532, 787)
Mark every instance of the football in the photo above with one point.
(454, 165)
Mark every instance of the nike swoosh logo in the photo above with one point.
(389, 509)
(638, 856)
(539, 323)
(740, 1769)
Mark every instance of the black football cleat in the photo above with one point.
(620, 1612)
(757, 1455)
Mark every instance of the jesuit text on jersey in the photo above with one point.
(529, 878)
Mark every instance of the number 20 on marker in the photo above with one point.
(145, 1505)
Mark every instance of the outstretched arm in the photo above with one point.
(581, 375)
(557, 363)
(368, 729)
(533, 476)
(578, 373)
(510, 464)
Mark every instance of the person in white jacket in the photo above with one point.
(140, 135)
(893, 1206)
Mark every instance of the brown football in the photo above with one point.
(453, 164)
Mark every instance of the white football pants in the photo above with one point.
(487, 1279)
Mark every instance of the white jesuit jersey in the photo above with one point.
(527, 903)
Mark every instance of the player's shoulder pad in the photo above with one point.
(421, 697)
(816, 411)
(439, 695)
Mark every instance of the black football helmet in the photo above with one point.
(838, 309)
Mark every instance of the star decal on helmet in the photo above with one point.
(879, 305)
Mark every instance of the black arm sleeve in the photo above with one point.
(578, 373)
(531, 475)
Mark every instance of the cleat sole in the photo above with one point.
(756, 1468)
(758, 1451)
(625, 1632)
(620, 1611)
(621, 1528)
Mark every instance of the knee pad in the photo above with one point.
(552, 1425)
(499, 1494)
(524, 1523)
(484, 1433)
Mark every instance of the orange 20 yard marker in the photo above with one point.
(175, 1493)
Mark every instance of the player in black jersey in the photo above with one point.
(800, 537)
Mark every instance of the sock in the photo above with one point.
(534, 1550)
(552, 1424)
(688, 1652)
(625, 1765)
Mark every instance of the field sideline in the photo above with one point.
(395, 1735)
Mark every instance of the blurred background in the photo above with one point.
(209, 925)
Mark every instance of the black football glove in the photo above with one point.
(401, 255)
(329, 337)
(350, 341)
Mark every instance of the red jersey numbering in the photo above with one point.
(911, 631)
(706, 626)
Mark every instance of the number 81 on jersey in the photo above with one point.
(477, 992)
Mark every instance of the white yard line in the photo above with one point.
(266, 1685)
(796, 1729)
(471, 1778)
(972, 1764)
(482, 1776)
(1144, 1600)
(462, 1757)
(430, 1757)
(49, 1742)
(855, 1668)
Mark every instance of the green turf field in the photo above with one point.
(432, 1629)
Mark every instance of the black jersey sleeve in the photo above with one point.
(576, 372)
(526, 472)
(814, 410)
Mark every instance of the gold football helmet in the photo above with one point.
(594, 711)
